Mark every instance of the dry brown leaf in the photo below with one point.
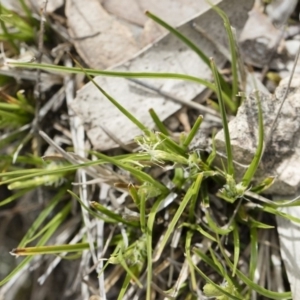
(173, 12)
(98, 37)
(128, 18)
(167, 55)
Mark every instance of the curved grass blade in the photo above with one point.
(193, 132)
(188, 242)
(42, 217)
(13, 197)
(260, 290)
(63, 213)
(112, 215)
(149, 233)
(190, 44)
(233, 51)
(159, 124)
(222, 290)
(253, 254)
(237, 248)
(123, 74)
(230, 168)
(260, 147)
(51, 249)
(140, 175)
(171, 145)
(192, 192)
(90, 211)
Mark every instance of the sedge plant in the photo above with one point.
(173, 227)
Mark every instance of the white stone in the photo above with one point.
(282, 154)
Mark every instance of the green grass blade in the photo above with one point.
(200, 230)
(230, 167)
(159, 124)
(193, 132)
(210, 262)
(233, 52)
(124, 111)
(6, 35)
(281, 214)
(51, 249)
(260, 290)
(26, 9)
(90, 211)
(190, 44)
(143, 212)
(253, 252)
(171, 145)
(216, 286)
(215, 227)
(73, 70)
(149, 235)
(237, 248)
(140, 175)
(260, 147)
(42, 217)
(192, 192)
(99, 207)
(41, 242)
(124, 287)
(188, 242)
(13, 197)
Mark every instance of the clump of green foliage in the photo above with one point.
(207, 243)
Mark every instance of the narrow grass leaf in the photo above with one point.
(190, 44)
(149, 236)
(230, 167)
(215, 227)
(253, 253)
(260, 147)
(42, 217)
(90, 211)
(264, 185)
(237, 247)
(277, 212)
(124, 287)
(256, 224)
(233, 52)
(51, 249)
(216, 286)
(134, 195)
(92, 72)
(143, 212)
(99, 207)
(123, 110)
(193, 132)
(259, 289)
(64, 212)
(128, 270)
(13, 197)
(188, 242)
(210, 262)
(192, 192)
(200, 230)
(204, 195)
(171, 145)
(159, 124)
(140, 175)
